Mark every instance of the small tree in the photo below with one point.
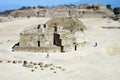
(96, 8)
(29, 7)
(116, 10)
(108, 6)
(89, 7)
(34, 7)
(28, 16)
(22, 8)
(39, 6)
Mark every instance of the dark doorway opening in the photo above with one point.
(44, 25)
(62, 49)
(38, 26)
(57, 40)
(55, 29)
(75, 47)
(38, 43)
(69, 12)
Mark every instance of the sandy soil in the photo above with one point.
(91, 63)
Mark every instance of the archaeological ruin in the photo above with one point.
(78, 11)
(81, 11)
(63, 34)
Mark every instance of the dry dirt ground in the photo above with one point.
(91, 63)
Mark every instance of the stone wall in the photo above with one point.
(38, 49)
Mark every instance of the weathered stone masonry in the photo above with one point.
(57, 35)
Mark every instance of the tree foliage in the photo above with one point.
(116, 10)
(93, 7)
(108, 6)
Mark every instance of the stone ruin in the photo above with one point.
(78, 11)
(57, 35)
(5, 19)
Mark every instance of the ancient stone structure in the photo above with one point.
(81, 11)
(4, 19)
(41, 12)
(62, 11)
(93, 11)
(57, 35)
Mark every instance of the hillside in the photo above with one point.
(23, 13)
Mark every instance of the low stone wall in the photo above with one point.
(53, 49)
(112, 27)
(38, 49)
(91, 16)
